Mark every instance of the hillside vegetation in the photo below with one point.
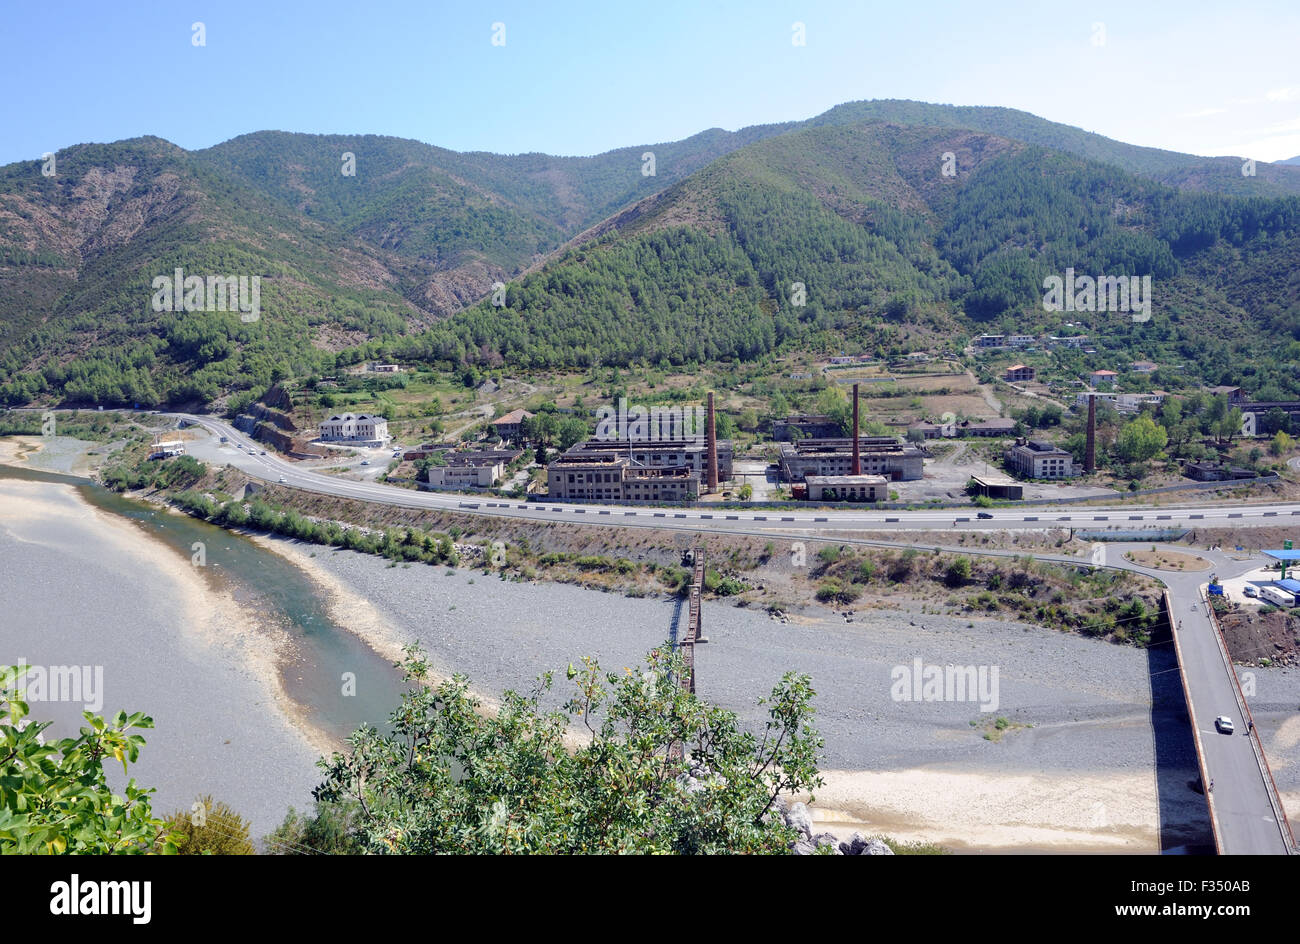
(804, 236)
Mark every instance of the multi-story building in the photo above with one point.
(471, 469)
(1018, 373)
(510, 427)
(1039, 459)
(1099, 377)
(990, 341)
(660, 453)
(359, 428)
(879, 455)
(614, 478)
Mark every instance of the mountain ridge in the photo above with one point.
(419, 235)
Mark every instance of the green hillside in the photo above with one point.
(862, 218)
(809, 236)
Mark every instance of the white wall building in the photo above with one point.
(354, 427)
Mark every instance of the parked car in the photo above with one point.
(983, 514)
(1224, 724)
(1251, 591)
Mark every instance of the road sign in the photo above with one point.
(1286, 545)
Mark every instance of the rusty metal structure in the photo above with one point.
(694, 622)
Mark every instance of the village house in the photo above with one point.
(510, 427)
(1019, 373)
(1099, 377)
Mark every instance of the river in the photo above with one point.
(245, 629)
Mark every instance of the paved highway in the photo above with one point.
(722, 519)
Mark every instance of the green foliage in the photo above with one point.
(834, 590)
(213, 829)
(1140, 439)
(328, 831)
(702, 272)
(452, 779)
(958, 572)
(55, 797)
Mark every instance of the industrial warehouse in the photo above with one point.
(660, 470)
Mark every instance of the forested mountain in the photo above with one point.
(809, 235)
(865, 221)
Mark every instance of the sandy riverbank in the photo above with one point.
(85, 587)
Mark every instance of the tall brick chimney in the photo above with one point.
(1090, 451)
(857, 448)
(713, 448)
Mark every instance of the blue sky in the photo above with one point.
(581, 78)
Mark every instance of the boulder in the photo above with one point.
(855, 845)
(798, 818)
(877, 847)
(827, 841)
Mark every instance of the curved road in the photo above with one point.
(723, 519)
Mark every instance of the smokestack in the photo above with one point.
(713, 448)
(1090, 452)
(857, 458)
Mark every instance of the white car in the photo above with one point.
(1224, 724)
(1251, 591)
(281, 479)
(365, 462)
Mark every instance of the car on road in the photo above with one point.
(365, 462)
(1251, 590)
(983, 514)
(281, 479)
(1224, 724)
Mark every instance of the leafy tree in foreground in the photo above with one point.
(452, 778)
(55, 797)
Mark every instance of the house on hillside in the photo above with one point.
(510, 427)
(1018, 373)
(1099, 377)
(360, 428)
